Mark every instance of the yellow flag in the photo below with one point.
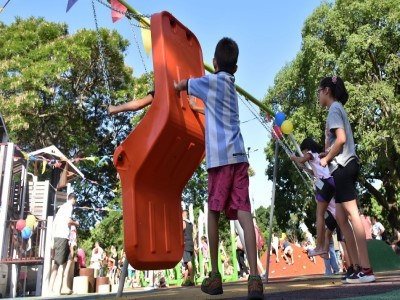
(26, 156)
(44, 164)
(146, 38)
(1, 9)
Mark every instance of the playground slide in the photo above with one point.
(158, 158)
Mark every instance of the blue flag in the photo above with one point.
(70, 4)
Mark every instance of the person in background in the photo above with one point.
(288, 252)
(378, 231)
(275, 246)
(61, 249)
(260, 246)
(240, 258)
(204, 252)
(113, 264)
(96, 258)
(331, 262)
(367, 224)
(81, 258)
(188, 249)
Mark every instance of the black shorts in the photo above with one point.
(339, 235)
(187, 256)
(61, 251)
(330, 221)
(345, 181)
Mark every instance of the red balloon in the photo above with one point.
(278, 133)
(21, 224)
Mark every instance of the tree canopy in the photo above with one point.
(52, 92)
(360, 42)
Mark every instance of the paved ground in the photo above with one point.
(307, 287)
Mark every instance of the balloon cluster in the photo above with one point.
(282, 125)
(26, 226)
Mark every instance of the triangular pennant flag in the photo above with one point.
(146, 38)
(70, 4)
(115, 15)
(44, 164)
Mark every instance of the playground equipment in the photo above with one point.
(158, 158)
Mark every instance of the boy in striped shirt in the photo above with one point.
(227, 165)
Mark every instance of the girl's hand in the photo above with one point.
(293, 157)
(323, 162)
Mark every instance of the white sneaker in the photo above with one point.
(362, 277)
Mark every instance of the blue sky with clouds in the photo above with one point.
(268, 33)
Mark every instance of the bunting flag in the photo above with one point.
(116, 16)
(146, 38)
(70, 4)
(44, 164)
(4, 6)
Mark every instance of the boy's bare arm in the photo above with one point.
(194, 106)
(181, 85)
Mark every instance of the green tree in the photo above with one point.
(196, 190)
(52, 92)
(359, 41)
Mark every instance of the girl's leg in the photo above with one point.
(343, 222)
(246, 221)
(321, 209)
(351, 210)
(213, 218)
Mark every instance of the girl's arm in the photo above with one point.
(132, 105)
(336, 148)
(302, 160)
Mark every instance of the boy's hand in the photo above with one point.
(192, 102)
(176, 86)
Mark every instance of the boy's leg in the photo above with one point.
(213, 235)
(246, 221)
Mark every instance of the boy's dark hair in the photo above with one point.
(337, 88)
(311, 145)
(71, 196)
(226, 54)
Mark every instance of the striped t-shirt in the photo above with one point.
(224, 142)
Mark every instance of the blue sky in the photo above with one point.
(268, 34)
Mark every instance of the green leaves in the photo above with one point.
(360, 42)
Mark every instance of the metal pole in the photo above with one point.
(123, 277)
(271, 212)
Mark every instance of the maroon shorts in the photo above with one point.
(228, 189)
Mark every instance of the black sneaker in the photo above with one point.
(350, 271)
(364, 276)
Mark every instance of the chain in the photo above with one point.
(281, 140)
(149, 80)
(104, 71)
(128, 14)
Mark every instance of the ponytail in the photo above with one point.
(337, 88)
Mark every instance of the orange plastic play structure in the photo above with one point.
(158, 158)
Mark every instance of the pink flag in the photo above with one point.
(70, 4)
(118, 6)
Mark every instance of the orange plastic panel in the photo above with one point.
(158, 158)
